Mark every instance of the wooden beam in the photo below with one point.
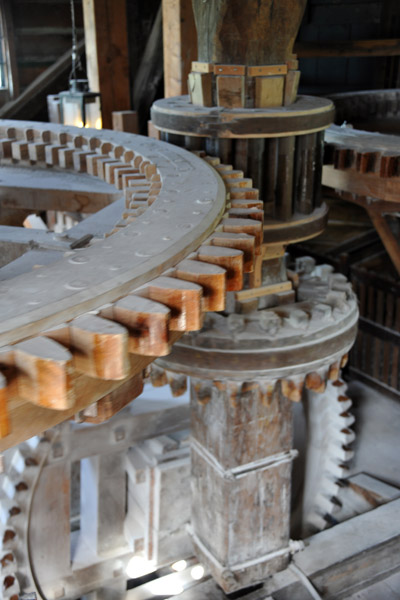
(388, 239)
(150, 71)
(362, 184)
(337, 569)
(39, 87)
(180, 45)
(106, 41)
(390, 47)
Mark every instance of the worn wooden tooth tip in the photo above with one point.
(147, 323)
(211, 278)
(44, 373)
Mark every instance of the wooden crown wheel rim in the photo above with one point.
(101, 314)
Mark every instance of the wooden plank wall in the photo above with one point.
(375, 357)
(42, 31)
(346, 21)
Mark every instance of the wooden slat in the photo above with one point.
(348, 48)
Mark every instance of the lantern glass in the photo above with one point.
(79, 107)
(71, 110)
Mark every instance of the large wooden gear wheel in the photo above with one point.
(74, 330)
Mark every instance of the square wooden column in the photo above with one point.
(180, 45)
(107, 59)
(241, 481)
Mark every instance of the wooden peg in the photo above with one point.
(183, 298)
(229, 259)
(45, 369)
(147, 323)
(211, 278)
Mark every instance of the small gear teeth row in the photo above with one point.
(362, 152)
(132, 174)
(22, 467)
(292, 389)
(146, 321)
(328, 455)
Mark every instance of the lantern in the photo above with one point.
(79, 106)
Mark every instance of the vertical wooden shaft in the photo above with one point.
(179, 44)
(284, 181)
(247, 33)
(106, 43)
(241, 465)
(305, 172)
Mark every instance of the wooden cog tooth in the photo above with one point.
(247, 213)
(243, 193)
(344, 360)
(230, 174)
(238, 183)
(147, 323)
(203, 392)
(245, 203)
(249, 226)
(45, 370)
(212, 160)
(221, 167)
(158, 376)
(315, 382)
(240, 241)
(111, 403)
(334, 372)
(211, 278)
(99, 347)
(177, 384)
(4, 418)
(183, 298)
(292, 390)
(227, 258)
(93, 161)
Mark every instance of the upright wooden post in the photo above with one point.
(180, 45)
(107, 59)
